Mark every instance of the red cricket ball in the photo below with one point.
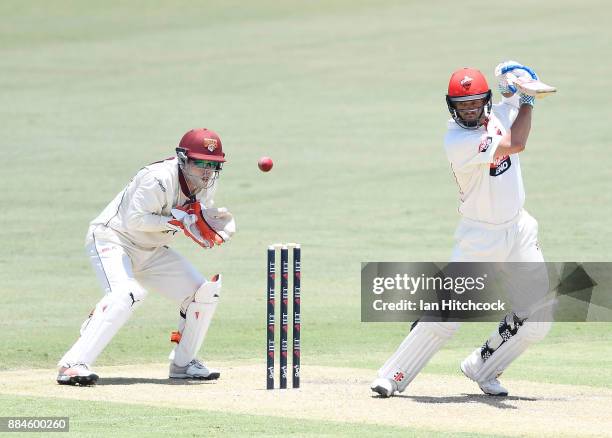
(265, 164)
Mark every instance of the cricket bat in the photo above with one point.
(531, 87)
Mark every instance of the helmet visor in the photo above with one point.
(208, 164)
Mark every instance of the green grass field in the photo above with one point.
(128, 420)
(348, 99)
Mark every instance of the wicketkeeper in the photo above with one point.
(128, 248)
(483, 143)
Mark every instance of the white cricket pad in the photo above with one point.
(423, 341)
(110, 314)
(196, 314)
(505, 344)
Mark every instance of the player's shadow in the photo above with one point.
(496, 402)
(119, 381)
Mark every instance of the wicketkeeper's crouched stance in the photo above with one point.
(483, 143)
(127, 245)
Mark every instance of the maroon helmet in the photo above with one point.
(200, 156)
(202, 144)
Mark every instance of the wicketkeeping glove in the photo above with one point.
(189, 218)
(220, 220)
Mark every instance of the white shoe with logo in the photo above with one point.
(76, 374)
(493, 387)
(385, 387)
(489, 387)
(193, 370)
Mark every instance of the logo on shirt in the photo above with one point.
(485, 143)
(466, 82)
(210, 144)
(161, 185)
(500, 165)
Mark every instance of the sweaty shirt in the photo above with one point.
(141, 211)
(490, 190)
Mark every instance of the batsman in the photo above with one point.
(483, 143)
(127, 245)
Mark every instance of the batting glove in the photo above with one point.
(525, 99)
(518, 70)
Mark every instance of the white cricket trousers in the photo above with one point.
(515, 247)
(126, 273)
(514, 241)
(526, 282)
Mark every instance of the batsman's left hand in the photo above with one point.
(517, 69)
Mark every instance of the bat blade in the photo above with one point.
(531, 87)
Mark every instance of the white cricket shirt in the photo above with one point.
(141, 211)
(490, 191)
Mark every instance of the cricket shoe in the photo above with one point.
(489, 387)
(493, 387)
(385, 387)
(193, 370)
(76, 374)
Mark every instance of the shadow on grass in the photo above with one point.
(138, 380)
(493, 401)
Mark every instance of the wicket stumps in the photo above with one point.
(284, 313)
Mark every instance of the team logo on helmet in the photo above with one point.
(210, 144)
(466, 82)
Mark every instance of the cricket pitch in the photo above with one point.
(432, 402)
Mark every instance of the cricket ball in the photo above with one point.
(265, 164)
